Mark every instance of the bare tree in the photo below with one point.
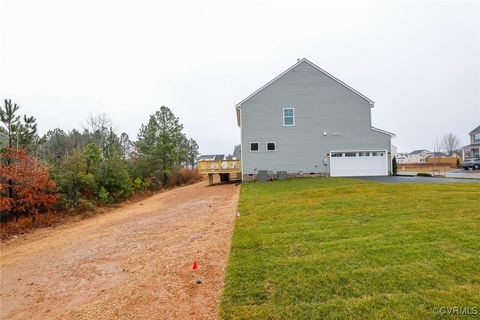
(450, 143)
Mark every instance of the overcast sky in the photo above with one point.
(63, 60)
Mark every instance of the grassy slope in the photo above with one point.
(320, 248)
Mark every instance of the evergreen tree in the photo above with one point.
(114, 179)
(93, 156)
(394, 166)
(20, 132)
(159, 141)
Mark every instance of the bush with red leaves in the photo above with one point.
(25, 185)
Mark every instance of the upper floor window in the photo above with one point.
(253, 146)
(288, 116)
(476, 138)
(336, 154)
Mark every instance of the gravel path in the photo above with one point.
(134, 262)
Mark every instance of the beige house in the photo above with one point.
(418, 156)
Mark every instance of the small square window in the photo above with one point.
(271, 146)
(361, 154)
(367, 154)
(253, 146)
(374, 154)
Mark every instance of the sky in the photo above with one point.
(63, 60)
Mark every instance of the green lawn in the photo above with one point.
(332, 248)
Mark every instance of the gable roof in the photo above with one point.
(476, 130)
(314, 66)
(436, 154)
(419, 151)
(388, 133)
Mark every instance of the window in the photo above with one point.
(288, 117)
(253, 146)
(350, 154)
(271, 146)
(367, 154)
(476, 138)
(361, 154)
(374, 154)
(336, 154)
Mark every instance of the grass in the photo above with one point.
(332, 248)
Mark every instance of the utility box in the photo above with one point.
(262, 175)
(282, 175)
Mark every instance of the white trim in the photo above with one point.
(359, 150)
(356, 151)
(283, 117)
(238, 112)
(241, 143)
(266, 146)
(250, 146)
(384, 132)
(317, 68)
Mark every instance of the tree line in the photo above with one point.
(83, 168)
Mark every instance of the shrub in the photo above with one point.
(183, 176)
(114, 178)
(137, 184)
(103, 196)
(424, 174)
(394, 166)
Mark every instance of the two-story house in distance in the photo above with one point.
(307, 122)
(472, 151)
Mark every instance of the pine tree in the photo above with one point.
(394, 166)
(159, 141)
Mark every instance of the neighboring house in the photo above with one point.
(418, 156)
(237, 152)
(211, 157)
(307, 122)
(435, 155)
(402, 158)
(473, 149)
(394, 151)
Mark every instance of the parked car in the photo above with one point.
(471, 164)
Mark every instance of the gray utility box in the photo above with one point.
(262, 175)
(282, 175)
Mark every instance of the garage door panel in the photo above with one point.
(359, 165)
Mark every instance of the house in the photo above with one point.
(473, 149)
(237, 152)
(418, 156)
(307, 122)
(436, 155)
(211, 157)
(402, 158)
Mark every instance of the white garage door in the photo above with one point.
(358, 163)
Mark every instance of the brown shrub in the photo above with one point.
(183, 176)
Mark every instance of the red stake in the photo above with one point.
(194, 265)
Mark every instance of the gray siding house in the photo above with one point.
(307, 122)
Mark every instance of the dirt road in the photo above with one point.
(134, 262)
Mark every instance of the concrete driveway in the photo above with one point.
(407, 179)
(473, 174)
